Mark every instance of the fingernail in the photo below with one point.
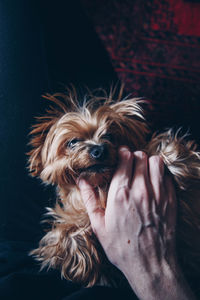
(125, 152)
(140, 154)
(123, 148)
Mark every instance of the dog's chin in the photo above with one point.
(97, 175)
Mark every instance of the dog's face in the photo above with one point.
(84, 141)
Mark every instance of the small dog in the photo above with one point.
(73, 141)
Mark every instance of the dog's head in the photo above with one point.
(72, 140)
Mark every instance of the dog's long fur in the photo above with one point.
(61, 152)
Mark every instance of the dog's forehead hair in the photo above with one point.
(81, 125)
(96, 136)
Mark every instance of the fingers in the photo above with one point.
(122, 178)
(140, 176)
(139, 184)
(163, 188)
(141, 189)
(156, 176)
(171, 207)
(152, 189)
(95, 212)
(124, 170)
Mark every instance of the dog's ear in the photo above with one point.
(62, 103)
(129, 118)
(39, 134)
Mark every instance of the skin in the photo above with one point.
(137, 228)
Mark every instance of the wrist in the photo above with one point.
(166, 283)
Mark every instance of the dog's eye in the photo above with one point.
(73, 143)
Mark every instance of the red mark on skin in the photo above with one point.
(129, 241)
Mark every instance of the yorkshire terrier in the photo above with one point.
(73, 141)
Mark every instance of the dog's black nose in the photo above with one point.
(97, 151)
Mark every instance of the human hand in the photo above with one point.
(137, 228)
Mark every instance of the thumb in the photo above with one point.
(94, 210)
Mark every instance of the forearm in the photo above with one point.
(165, 285)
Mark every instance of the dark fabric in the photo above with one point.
(99, 293)
(43, 46)
(154, 48)
(20, 279)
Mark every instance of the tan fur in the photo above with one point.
(71, 245)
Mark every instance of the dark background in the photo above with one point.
(151, 46)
